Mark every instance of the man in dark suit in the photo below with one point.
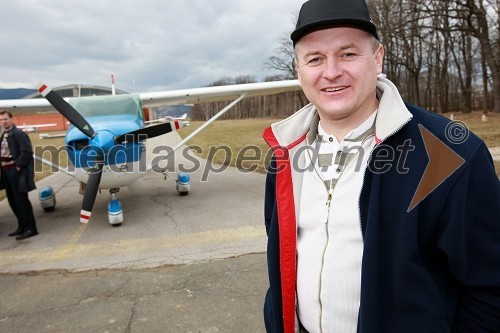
(17, 175)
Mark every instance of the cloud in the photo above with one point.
(148, 45)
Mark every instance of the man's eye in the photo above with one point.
(313, 60)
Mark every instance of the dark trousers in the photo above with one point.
(19, 202)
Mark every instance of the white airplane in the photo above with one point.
(34, 128)
(183, 118)
(106, 140)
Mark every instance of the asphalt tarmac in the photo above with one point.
(191, 263)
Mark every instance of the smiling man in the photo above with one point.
(340, 77)
(377, 220)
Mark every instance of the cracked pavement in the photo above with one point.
(216, 296)
(177, 264)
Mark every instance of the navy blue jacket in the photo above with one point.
(22, 153)
(432, 268)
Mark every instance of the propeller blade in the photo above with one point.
(66, 110)
(91, 189)
(149, 132)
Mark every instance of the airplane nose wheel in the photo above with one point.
(115, 212)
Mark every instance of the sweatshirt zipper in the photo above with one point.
(327, 210)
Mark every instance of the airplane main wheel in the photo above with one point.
(115, 212)
(183, 183)
(47, 198)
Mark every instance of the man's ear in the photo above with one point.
(379, 58)
(296, 64)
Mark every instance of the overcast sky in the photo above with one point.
(149, 45)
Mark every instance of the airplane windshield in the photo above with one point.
(108, 105)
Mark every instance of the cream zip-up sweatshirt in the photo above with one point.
(330, 243)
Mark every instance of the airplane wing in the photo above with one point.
(36, 103)
(182, 96)
(218, 93)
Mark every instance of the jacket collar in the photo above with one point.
(392, 111)
(292, 129)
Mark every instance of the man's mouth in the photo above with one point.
(335, 89)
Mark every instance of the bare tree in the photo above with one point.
(283, 59)
(464, 65)
(432, 48)
(399, 23)
(483, 19)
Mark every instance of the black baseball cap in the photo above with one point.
(316, 14)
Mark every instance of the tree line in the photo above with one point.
(272, 106)
(443, 55)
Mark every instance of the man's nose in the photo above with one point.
(332, 69)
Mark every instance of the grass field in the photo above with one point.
(488, 131)
(236, 135)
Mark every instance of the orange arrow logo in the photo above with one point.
(443, 162)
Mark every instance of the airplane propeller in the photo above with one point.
(91, 189)
(148, 132)
(66, 110)
(95, 173)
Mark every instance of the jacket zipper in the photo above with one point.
(367, 166)
(327, 209)
(363, 185)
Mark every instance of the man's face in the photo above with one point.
(5, 121)
(337, 70)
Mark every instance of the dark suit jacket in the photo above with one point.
(22, 152)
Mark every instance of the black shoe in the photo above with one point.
(27, 234)
(17, 232)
